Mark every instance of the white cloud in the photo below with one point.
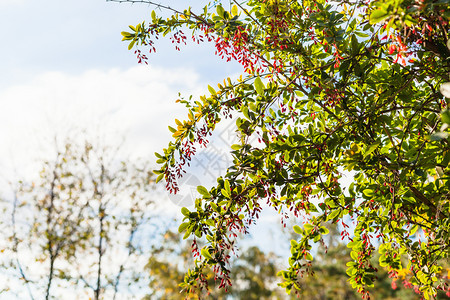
(139, 101)
(11, 2)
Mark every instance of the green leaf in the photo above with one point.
(153, 15)
(354, 255)
(203, 191)
(362, 34)
(245, 112)
(371, 148)
(445, 116)
(185, 211)
(350, 271)
(214, 206)
(183, 227)
(308, 227)
(368, 192)
(126, 36)
(212, 90)
(259, 86)
(378, 16)
(355, 45)
(298, 229)
(323, 230)
(220, 10)
(225, 193)
(205, 253)
(227, 186)
(187, 233)
(131, 45)
(334, 214)
(234, 10)
(158, 179)
(316, 238)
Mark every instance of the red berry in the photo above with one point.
(392, 49)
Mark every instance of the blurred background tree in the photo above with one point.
(79, 227)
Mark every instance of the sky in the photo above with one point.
(63, 66)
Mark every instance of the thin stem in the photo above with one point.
(49, 233)
(16, 245)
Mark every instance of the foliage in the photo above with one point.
(75, 227)
(329, 89)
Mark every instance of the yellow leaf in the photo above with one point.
(178, 133)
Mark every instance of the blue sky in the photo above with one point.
(76, 36)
